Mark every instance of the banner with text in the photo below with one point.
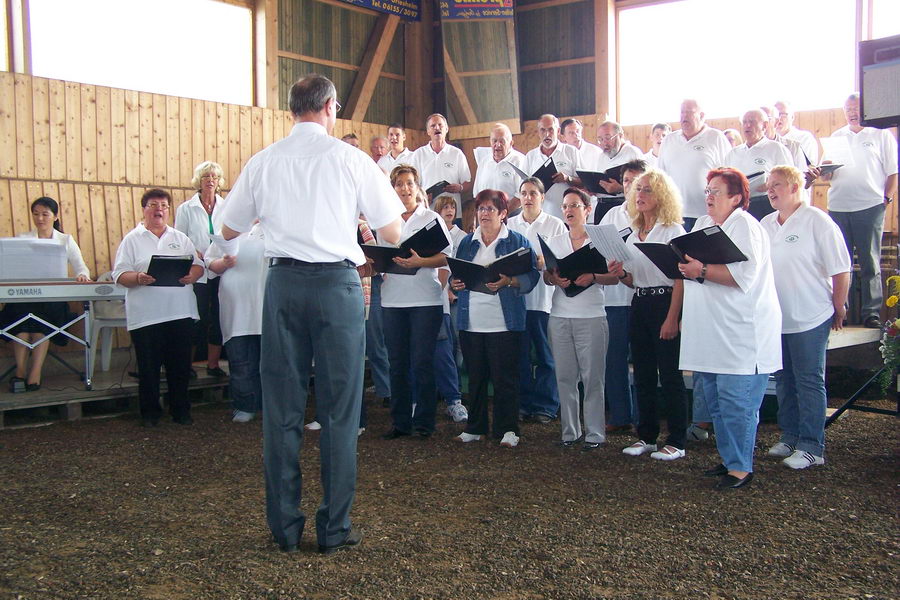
(405, 9)
(476, 9)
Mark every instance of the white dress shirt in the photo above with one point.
(643, 272)
(448, 165)
(588, 153)
(807, 251)
(149, 305)
(567, 160)
(734, 330)
(687, 161)
(861, 185)
(493, 175)
(242, 286)
(761, 156)
(807, 142)
(547, 226)
(423, 288)
(387, 162)
(192, 220)
(308, 190)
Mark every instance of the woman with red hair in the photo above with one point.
(731, 326)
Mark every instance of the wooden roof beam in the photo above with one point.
(370, 69)
(456, 93)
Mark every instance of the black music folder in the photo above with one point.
(167, 270)
(824, 169)
(709, 245)
(591, 179)
(584, 260)
(427, 242)
(475, 276)
(604, 205)
(545, 173)
(436, 190)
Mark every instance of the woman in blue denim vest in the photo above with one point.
(491, 325)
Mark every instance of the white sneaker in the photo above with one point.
(313, 426)
(465, 438)
(510, 440)
(696, 434)
(668, 453)
(458, 412)
(801, 459)
(638, 448)
(362, 430)
(781, 450)
(240, 416)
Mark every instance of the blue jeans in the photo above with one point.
(537, 381)
(243, 372)
(734, 402)
(862, 230)
(411, 335)
(311, 311)
(446, 376)
(801, 389)
(376, 351)
(699, 409)
(618, 389)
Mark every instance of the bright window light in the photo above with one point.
(733, 55)
(885, 18)
(194, 48)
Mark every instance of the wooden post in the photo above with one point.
(265, 54)
(605, 79)
(18, 24)
(418, 51)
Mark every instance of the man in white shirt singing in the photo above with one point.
(565, 158)
(438, 161)
(495, 164)
(398, 154)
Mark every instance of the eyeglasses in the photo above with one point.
(337, 106)
(158, 206)
(486, 209)
(607, 138)
(572, 206)
(711, 192)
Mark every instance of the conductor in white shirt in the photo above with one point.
(313, 306)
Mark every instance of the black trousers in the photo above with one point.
(655, 360)
(166, 344)
(492, 357)
(207, 330)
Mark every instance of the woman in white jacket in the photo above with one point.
(198, 219)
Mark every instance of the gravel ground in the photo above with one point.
(105, 509)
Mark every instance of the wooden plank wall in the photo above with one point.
(820, 122)
(97, 149)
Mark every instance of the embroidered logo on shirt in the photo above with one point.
(699, 148)
(792, 239)
(760, 161)
(868, 144)
(449, 165)
(175, 246)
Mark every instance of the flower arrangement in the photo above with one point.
(890, 337)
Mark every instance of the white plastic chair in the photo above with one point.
(106, 316)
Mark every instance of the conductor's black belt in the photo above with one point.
(652, 291)
(283, 261)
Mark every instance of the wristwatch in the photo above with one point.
(624, 274)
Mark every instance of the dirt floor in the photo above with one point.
(106, 509)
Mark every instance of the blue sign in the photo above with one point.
(405, 9)
(476, 9)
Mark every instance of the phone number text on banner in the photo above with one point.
(405, 9)
(476, 9)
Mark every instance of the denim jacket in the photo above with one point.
(512, 299)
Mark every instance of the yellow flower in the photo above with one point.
(892, 301)
(893, 284)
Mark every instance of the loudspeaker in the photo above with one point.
(879, 77)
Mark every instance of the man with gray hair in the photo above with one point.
(495, 164)
(784, 126)
(857, 199)
(616, 151)
(438, 161)
(689, 154)
(378, 147)
(757, 156)
(313, 307)
(571, 131)
(565, 158)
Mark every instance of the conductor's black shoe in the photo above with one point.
(732, 482)
(716, 471)
(353, 539)
(872, 322)
(393, 434)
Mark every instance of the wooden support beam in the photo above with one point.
(557, 63)
(514, 66)
(483, 73)
(373, 60)
(605, 72)
(265, 54)
(545, 4)
(418, 47)
(18, 25)
(333, 63)
(456, 93)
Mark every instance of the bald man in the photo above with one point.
(688, 155)
(564, 156)
(616, 150)
(795, 151)
(494, 169)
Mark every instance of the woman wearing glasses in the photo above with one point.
(198, 219)
(491, 325)
(158, 317)
(731, 326)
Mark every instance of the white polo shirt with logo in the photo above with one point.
(761, 156)
(447, 165)
(687, 161)
(861, 185)
(493, 175)
(567, 160)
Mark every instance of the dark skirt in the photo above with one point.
(52, 312)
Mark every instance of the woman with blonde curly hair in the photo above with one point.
(655, 207)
